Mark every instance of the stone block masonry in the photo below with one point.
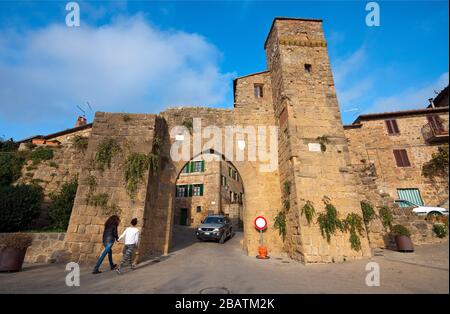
(134, 133)
(306, 107)
(46, 247)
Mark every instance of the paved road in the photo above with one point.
(195, 267)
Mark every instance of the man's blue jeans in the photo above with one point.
(108, 250)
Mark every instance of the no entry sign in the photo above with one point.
(260, 223)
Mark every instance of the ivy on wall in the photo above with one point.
(106, 150)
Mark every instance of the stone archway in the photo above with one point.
(262, 189)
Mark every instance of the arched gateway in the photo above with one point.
(275, 136)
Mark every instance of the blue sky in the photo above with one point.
(142, 56)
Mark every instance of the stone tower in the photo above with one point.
(306, 109)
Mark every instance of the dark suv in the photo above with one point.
(215, 227)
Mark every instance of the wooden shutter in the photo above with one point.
(203, 166)
(201, 189)
(401, 158)
(392, 126)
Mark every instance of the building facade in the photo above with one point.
(208, 187)
(397, 145)
(317, 159)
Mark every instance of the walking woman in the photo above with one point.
(110, 235)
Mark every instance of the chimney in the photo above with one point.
(431, 102)
(81, 121)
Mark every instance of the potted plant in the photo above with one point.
(402, 238)
(13, 248)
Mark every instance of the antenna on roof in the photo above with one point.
(90, 108)
(84, 112)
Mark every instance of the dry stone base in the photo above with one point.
(45, 248)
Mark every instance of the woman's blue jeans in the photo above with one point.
(108, 250)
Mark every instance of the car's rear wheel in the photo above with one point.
(434, 214)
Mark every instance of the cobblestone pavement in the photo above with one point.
(195, 267)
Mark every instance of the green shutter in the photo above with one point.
(190, 189)
(191, 166)
(185, 190)
(201, 189)
(203, 166)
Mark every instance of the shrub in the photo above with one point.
(40, 154)
(16, 240)
(400, 230)
(53, 164)
(8, 146)
(437, 166)
(62, 203)
(19, 205)
(440, 230)
(11, 164)
(80, 142)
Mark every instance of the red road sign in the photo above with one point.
(260, 223)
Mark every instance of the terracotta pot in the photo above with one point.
(404, 244)
(11, 259)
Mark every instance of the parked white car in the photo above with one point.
(423, 210)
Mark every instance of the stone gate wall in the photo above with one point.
(133, 133)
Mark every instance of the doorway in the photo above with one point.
(183, 216)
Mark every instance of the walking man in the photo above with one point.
(131, 235)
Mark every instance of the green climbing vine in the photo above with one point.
(280, 224)
(135, 167)
(354, 224)
(308, 211)
(329, 221)
(106, 150)
(280, 219)
(386, 217)
(368, 215)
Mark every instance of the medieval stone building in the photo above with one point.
(318, 161)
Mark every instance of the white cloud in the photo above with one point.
(127, 65)
(410, 98)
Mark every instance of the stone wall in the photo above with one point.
(420, 227)
(45, 248)
(133, 133)
(51, 174)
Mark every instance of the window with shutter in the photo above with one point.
(392, 127)
(401, 158)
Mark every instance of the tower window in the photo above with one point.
(308, 68)
(258, 90)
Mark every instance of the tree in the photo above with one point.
(437, 166)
